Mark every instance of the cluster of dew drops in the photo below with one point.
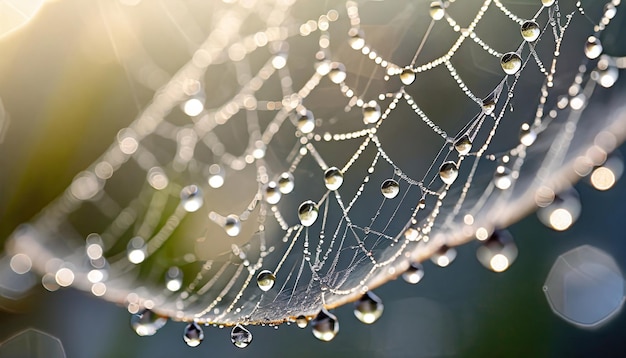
(497, 252)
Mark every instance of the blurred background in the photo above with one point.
(66, 91)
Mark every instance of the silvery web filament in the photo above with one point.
(296, 155)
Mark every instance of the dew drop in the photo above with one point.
(337, 73)
(356, 40)
(564, 210)
(502, 178)
(371, 112)
(301, 321)
(593, 47)
(606, 73)
(333, 178)
(368, 308)
(414, 273)
(407, 76)
(448, 172)
(511, 63)
(547, 3)
(174, 279)
(307, 213)
(527, 135)
(136, 250)
(306, 122)
(463, 145)
(147, 323)
(272, 193)
(286, 183)
(530, 30)
(444, 256)
(240, 336)
(325, 326)
(191, 198)
(193, 334)
(390, 188)
(265, 280)
(436, 10)
(489, 105)
(498, 252)
(232, 226)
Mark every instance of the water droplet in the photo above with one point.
(301, 321)
(489, 104)
(371, 112)
(157, 178)
(306, 122)
(414, 273)
(174, 279)
(444, 256)
(307, 212)
(325, 326)
(232, 226)
(502, 178)
(193, 334)
(240, 336)
(265, 280)
(547, 3)
(530, 30)
(436, 10)
(407, 76)
(191, 198)
(147, 323)
(463, 145)
(337, 72)
(356, 40)
(368, 308)
(279, 61)
(498, 252)
(333, 178)
(610, 10)
(593, 47)
(448, 172)
(272, 193)
(527, 135)
(136, 250)
(286, 183)
(511, 63)
(390, 188)
(606, 73)
(562, 212)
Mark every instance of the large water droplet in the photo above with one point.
(301, 321)
(498, 252)
(265, 280)
(191, 198)
(240, 336)
(307, 213)
(356, 40)
(593, 47)
(193, 334)
(530, 30)
(511, 63)
(436, 10)
(390, 188)
(232, 226)
(463, 145)
(562, 212)
(286, 183)
(547, 3)
(147, 323)
(333, 178)
(414, 273)
(527, 135)
(174, 279)
(489, 104)
(444, 256)
(325, 326)
(502, 178)
(371, 112)
(368, 308)
(606, 73)
(306, 122)
(272, 193)
(407, 76)
(136, 250)
(337, 72)
(448, 172)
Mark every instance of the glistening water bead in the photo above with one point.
(498, 252)
(240, 336)
(147, 323)
(368, 308)
(448, 172)
(272, 193)
(407, 76)
(371, 112)
(307, 213)
(191, 198)
(489, 105)
(286, 183)
(232, 226)
(593, 47)
(306, 122)
(301, 321)
(530, 30)
(337, 73)
(333, 178)
(390, 188)
(511, 63)
(414, 273)
(265, 280)
(193, 334)
(436, 10)
(527, 135)
(502, 178)
(463, 145)
(325, 326)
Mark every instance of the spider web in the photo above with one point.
(193, 199)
